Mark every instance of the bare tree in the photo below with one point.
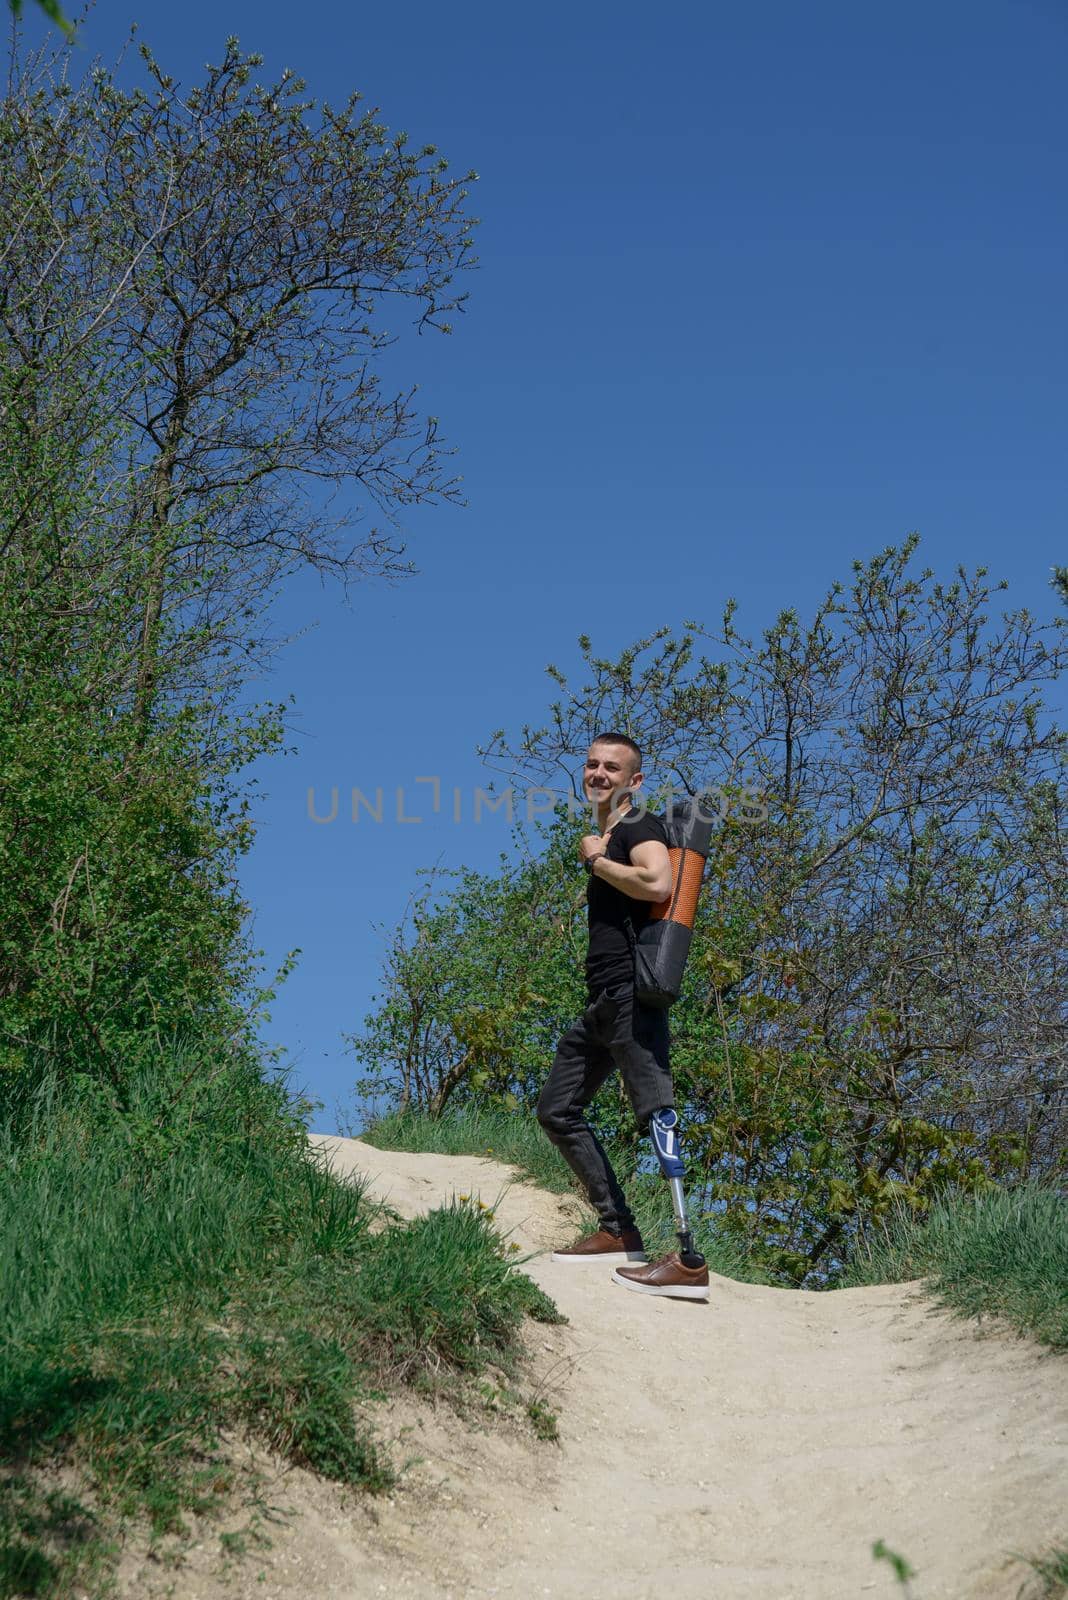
(226, 256)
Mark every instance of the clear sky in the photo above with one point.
(762, 288)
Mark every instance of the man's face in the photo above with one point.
(610, 772)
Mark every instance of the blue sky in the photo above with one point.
(762, 288)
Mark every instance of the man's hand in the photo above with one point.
(647, 878)
(593, 845)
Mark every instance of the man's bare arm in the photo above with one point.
(647, 878)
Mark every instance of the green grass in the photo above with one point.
(182, 1267)
(1001, 1254)
(1051, 1576)
(516, 1139)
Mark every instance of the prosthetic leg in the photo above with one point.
(664, 1128)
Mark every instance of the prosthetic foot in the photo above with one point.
(664, 1129)
(684, 1273)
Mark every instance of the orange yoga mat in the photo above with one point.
(687, 868)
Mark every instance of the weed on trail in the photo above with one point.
(1050, 1576)
(898, 1565)
(162, 1293)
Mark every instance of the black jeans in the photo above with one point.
(613, 1031)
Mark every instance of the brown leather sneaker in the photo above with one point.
(666, 1276)
(605, 1246)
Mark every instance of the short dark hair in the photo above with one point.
(621, 738)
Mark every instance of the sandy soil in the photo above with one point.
(754, 1446)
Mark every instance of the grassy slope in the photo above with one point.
(184, 1267)
(1001, 1254)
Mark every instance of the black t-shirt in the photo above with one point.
(610, 960)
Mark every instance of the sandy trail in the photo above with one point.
(759, 1444)
(754, 1446)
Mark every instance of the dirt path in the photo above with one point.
(758, 1445)
(754, 1446)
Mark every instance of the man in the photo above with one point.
(629, 872)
